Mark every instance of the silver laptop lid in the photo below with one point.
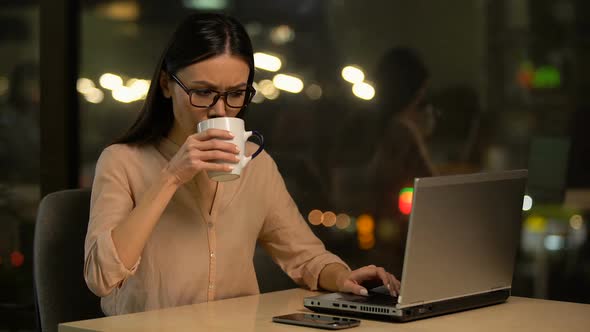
(463, 235)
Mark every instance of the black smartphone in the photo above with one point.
(318, 321)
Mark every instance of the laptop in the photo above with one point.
(460, 251)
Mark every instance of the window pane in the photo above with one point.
(350, 123)
(19, 160)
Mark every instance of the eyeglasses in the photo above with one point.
(205, 97)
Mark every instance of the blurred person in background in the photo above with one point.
(406, 119)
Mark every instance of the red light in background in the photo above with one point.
(17, 259)
(541, 77)
(405, 200)
(525, 75)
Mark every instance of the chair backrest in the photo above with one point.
(58, 260)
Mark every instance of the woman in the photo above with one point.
(161, 233)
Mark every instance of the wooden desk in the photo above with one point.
(254, 313)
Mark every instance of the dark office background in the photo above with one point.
(510, 77)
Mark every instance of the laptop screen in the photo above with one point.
(463, 235)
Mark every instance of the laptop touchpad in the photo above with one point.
(376, 296)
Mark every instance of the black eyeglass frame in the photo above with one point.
(249, 91)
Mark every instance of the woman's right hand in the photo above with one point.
(198, 153)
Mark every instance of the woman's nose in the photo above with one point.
(219, 108)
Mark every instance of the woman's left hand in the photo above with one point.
(351, 281)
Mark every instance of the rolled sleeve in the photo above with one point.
(314, 268)
(103, 269)
(111, 203)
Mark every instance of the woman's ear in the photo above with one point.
(165, 84)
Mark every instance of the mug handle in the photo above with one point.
(260, 148)
(261, 139)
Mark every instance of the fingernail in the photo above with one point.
(230, 133)
(230, 168)
(388, 286)
(364, 292)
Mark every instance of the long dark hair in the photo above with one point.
(197, 38)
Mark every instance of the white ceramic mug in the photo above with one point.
(236, 127)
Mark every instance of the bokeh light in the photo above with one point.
(366, 242)
(94, 95)
(405, 198)
(387, 229)
(84, 85)
(314, 92)
(576, 222)
(268, 89)
(267, 62)
(282, 34)
(363, 90)
(17, 259)
(535, 224)
(110, 81)
(329, 219)
(315, 217)
(365, 224)
(527, 203)
(342, 221)
(288, 83)
(353, 74)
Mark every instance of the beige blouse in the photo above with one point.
(196, 252)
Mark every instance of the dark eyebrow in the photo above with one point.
(214, 87)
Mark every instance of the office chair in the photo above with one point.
(61, 294)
